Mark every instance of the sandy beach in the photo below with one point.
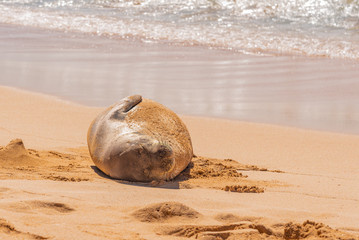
(270, 181)
(248, 180)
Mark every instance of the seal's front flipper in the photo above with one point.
(120, 109)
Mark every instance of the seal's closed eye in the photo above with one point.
(164, 151)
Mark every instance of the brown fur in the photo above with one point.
(139, 140)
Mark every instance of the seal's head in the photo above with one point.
(143, 161)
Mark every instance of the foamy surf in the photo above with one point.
(312, 28)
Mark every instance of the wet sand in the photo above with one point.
(249, 180)
(314, 93)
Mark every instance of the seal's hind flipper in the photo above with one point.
(120, 109)
(131, 102)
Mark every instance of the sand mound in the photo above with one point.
(312, 230)
(15, 153)
(201, 167)
(220, 174)
(15, 147)
(160, 212)
(17, 162)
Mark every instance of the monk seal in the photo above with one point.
(138, 139)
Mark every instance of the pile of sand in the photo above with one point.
(15, 155)
(227, 175)
(17, 162)
(161, 212)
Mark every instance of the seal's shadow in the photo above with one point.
(168, 185)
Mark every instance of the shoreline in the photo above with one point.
(311, 93)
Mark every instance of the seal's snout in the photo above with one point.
(163, 151)
(167, 165)
(159, 159)
(160, 155)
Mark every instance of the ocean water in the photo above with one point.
(328, 28)
(289, 62)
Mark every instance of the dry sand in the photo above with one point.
(248, 181)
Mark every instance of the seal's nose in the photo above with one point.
(163, 155)
(163, 151)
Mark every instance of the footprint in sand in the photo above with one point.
(43, 206)
(3, 190)
(232, 218)
(241, 230)
(234, 227)
(256, 230)
(8, 231)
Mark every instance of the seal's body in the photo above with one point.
(139, 140)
